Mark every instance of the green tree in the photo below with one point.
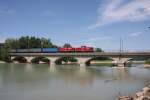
(13, 43)
(34, 42)
(24, 42)
(46, 43)
(67, 45)
(5, 52)
(98, 50)
(147, 61)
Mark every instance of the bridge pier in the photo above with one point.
(11, 58)
(82, 61)
(29, 59)
(52, 60)
(120, 62)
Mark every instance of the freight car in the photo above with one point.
(51, 50)
(54, 50)
(32, 50)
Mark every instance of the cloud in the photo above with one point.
(112, 11)
(98, 41)
(136, 34)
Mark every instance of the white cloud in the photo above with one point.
(119, 10)
(98, 41)
(136, 34)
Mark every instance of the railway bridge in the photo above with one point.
(119, 58)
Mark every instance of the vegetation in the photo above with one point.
(98, 50)
(66, 59)
(38, 59)
(4, 52)
(20, 59)
(26, 42)
(67, 45)
(23, 42)
(102, 58)
(147, 61)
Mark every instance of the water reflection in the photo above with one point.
(36, 82)
(52, 69)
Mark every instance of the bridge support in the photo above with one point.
(29, 59)
(82, 61)
(120, 62)
(52, 60)
(12, 58)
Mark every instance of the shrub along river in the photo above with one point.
(70, 82)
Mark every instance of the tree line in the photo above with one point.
(23, 42)
(26, 42)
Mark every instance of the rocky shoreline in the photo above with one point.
(147, 65)
(142, 95)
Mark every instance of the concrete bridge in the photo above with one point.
(119, 58)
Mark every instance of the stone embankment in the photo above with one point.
(142, 95)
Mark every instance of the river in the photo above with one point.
(69, 82)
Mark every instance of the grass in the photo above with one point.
(147, 62)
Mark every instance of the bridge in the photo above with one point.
(119, 58)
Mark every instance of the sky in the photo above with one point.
(96, 23)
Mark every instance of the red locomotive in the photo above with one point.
(66, 49)
(79, 49)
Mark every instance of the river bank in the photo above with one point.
(147, 65)
(141, 95)
(2, 62)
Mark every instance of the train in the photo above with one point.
(54, 50)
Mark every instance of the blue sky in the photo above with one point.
(98, 23)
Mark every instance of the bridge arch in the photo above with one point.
(66, 60)
(40, 59)
(102, 60)
(19, 59)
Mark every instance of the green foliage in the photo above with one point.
(71, 59)
(4, 52)
(98, 50)
(46, 43)
(67, 45)
(26, 42)
(20, 59)
(13, 43)
(102, 58)
(38, 59)
(147, 61)
(23, 42)
(45, 59)
(66, 59)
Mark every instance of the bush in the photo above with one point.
(37, 59)
(20, 59)
(147, 61)
(45, 60)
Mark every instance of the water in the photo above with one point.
(42, 82)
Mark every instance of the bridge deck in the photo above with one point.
(109, 54)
